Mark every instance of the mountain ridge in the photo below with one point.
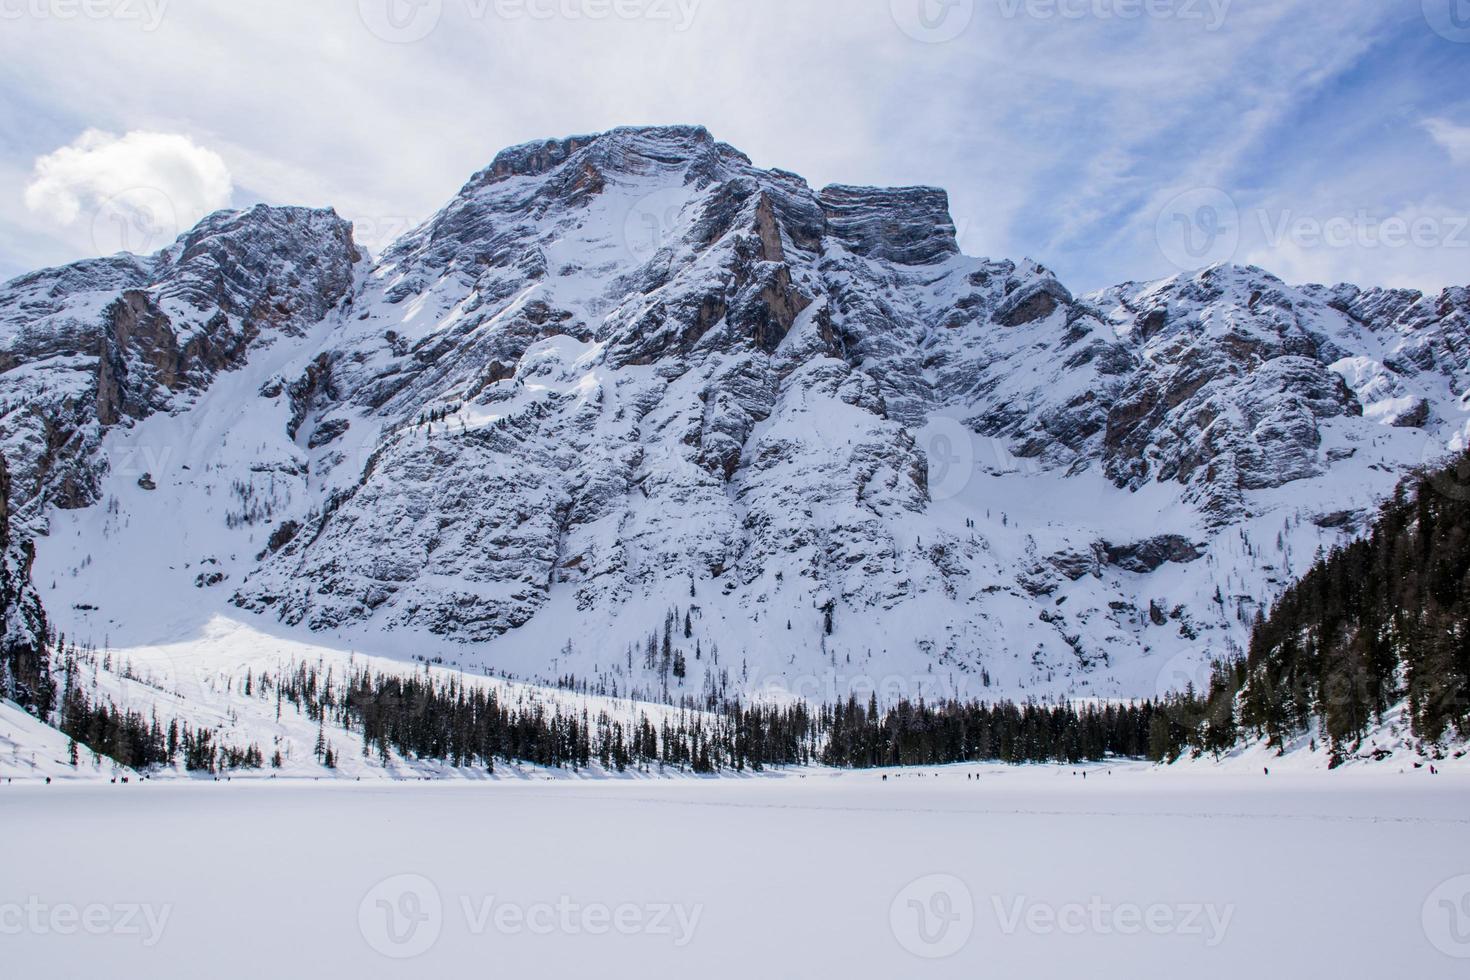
(619, 368)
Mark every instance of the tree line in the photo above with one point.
(1379, 622)
(462, 723)
(132, 740)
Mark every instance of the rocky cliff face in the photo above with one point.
(111, 341)
(25, 673)
(1238, 374)
(630, 372)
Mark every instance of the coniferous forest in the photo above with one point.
(466, 724)
(1380, 622)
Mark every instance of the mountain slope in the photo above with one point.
(1378, 624)
(628, 381)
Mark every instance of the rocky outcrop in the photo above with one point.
(25, 669)
(1149, 555)
(628, 371)
(109, 342)
(905, 225)
(1031, 302)
(1238, 375)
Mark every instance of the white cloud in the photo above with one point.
(1057, 138)
(1423, 246)
(1455, 139)
(128, 193)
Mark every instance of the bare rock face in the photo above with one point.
(111, 341)
(25, 675)
(1231, 388)
(1031, 302)
(905, 225)
(630, 371)
(1147, 556)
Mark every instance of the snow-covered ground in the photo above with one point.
(30, 750)
(1036, 872)
(203, 681)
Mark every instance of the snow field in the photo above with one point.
(970, 871)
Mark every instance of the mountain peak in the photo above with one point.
(664, 144)
(627, 365)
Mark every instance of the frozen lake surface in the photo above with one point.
(1031, 872)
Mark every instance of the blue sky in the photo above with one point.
(1324, 141)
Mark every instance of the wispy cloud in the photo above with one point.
(1454, 138)
(1058, 137)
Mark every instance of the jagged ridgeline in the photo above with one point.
(1380, 624)
(633, 370)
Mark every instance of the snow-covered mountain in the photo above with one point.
(630, 376)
